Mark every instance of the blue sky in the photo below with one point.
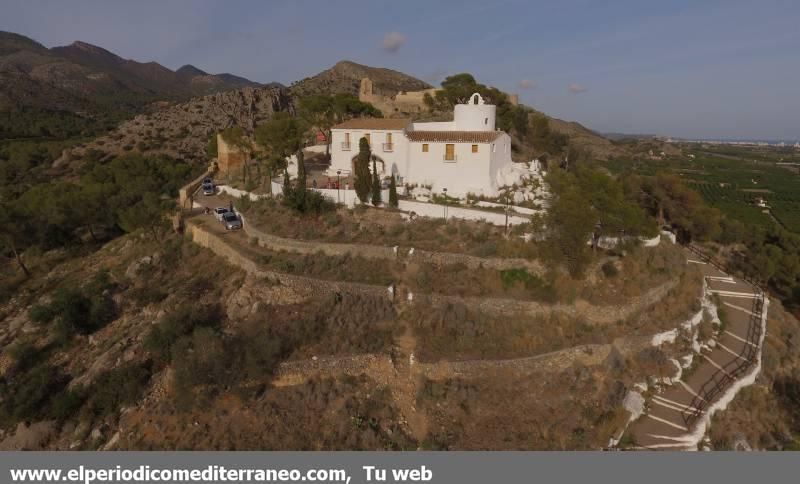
(683, 68)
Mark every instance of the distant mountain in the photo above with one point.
(82, 77)
(190, 71)
(345, 77)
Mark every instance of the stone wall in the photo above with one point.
(499, 307)
(229, 157)
(402, 102)
(580, 309)
(304, 285)
(296, 372)
(186, 192)
(408, 254)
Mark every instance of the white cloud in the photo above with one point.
(576, 88)
(393, 41)
(527, 84)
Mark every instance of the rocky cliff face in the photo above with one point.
(183, 130)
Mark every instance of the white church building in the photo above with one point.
(466, 155)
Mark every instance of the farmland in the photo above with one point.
(732, 179)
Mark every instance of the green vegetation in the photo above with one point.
(710, 198)
(588, 204)
(393, 203)
(124, 194)
(731, 179)
(376, 185)
(43, 125)
(363, 178)
(81, 310)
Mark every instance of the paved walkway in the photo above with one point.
(673, 416)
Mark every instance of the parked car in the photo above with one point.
(208, 189)
(219, 212)
(231, 221)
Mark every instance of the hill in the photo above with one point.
(345, 77)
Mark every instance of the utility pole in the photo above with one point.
(338, 182)
(445, 204)
(506, 212)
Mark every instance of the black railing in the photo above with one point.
(726, 375)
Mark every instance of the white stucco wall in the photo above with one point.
(468, 173)
(435, 210)
(346, 197)
(393, 160)
(474, 117)
(500, 156)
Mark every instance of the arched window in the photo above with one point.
(475, 98)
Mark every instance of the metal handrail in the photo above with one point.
(730, 372)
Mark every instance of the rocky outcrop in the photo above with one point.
(184, 130)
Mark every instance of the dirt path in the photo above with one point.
(407, 384)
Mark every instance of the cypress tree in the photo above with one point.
(376, 185)
(301, 170)
(393, 193)
(363, 181)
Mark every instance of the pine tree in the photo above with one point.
(363, 181)
(393, 193)
(376, 185)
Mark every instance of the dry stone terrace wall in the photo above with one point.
(297, 372)
(274, 242)
(380, 367)
(579, 309)
(304, 285)
(493, 306)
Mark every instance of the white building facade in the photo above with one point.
(462, 156)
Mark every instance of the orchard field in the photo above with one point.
(732, 178)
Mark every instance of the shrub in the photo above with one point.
(147, 295)
(117, 387)
(182, 321)
(41, 313)
(609, 269)
(307, 201)
(82, 310)
(29, 395)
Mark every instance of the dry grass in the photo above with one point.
(577, 409)
(322, 414)
(366, 225)
(453, 332)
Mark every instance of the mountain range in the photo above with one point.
(85, 78)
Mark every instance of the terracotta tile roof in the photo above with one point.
(374, 123)
(454, 136)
